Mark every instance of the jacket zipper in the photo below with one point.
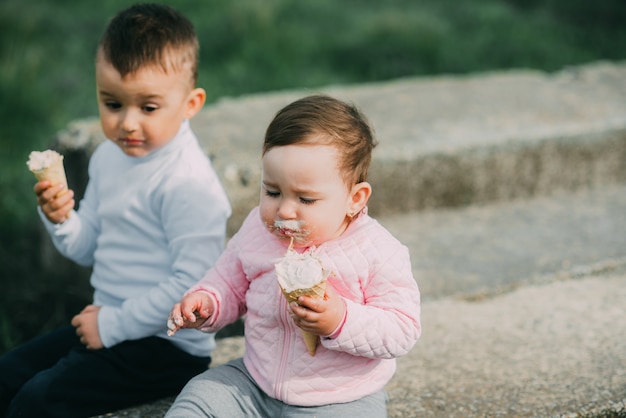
(281, 390)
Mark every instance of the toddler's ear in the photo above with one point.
(195, 101)
(360, 194)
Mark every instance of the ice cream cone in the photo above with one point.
(48, 165)
(302, 275)
(316, 291)
(310, 340)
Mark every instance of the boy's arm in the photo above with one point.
(194, 220)
(76, 237)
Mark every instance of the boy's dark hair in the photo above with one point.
(150, 34)
(323, 120)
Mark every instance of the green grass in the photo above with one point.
(249, 46)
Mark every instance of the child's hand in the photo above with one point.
(55, 204)
(191, 312)
(86, 324)
(319, 316)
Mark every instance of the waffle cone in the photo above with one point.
(55, 173)
(311, 341)
(317, 292)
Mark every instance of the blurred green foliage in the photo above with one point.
(46, 80)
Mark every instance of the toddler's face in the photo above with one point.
(303, 194)
(144, 110)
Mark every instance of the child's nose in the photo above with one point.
(128, 121)
(287, 209)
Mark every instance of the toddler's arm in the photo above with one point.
(387, 324)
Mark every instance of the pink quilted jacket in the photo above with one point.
(371, 270)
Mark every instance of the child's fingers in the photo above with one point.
(171, 327)
(299, 312)
(57, 210)
(189, 306)
(54, 198)
(190, 312)
(52, 192)
(314, 304)
(63, 195)
(191, 317)
(66, 208)
(197, 308)
(175, 320)
(40, 186)
(176, 315)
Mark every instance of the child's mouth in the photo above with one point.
(288, 225)
(287, 232)
(130, 142)
(290, 229)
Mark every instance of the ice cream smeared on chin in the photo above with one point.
(302, 275)
(291, 225)
(291, 229)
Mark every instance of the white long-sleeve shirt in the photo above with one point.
(151, 227)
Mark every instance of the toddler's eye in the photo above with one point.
(149, 109)
(307, 201)
(270, 193)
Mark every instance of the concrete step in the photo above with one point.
(485, 250)
(452, 141)
(523, 313)
(553, 349)
(447, 141)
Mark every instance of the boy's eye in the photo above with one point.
(270, 193)
(113, 105)
(149, 108)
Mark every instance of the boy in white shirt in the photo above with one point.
(153, 220)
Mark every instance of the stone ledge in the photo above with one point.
(444, 141)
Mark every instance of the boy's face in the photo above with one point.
(144, 110)
(302, 185)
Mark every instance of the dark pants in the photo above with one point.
(56, 376)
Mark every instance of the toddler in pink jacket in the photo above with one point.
(314, 193)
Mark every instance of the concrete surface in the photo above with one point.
(510, 191)
(443, 141)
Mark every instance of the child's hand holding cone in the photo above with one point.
(48, 165)
(51, 190)
(302, 275)
(315, 316)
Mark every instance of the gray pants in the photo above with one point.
(230, 391)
